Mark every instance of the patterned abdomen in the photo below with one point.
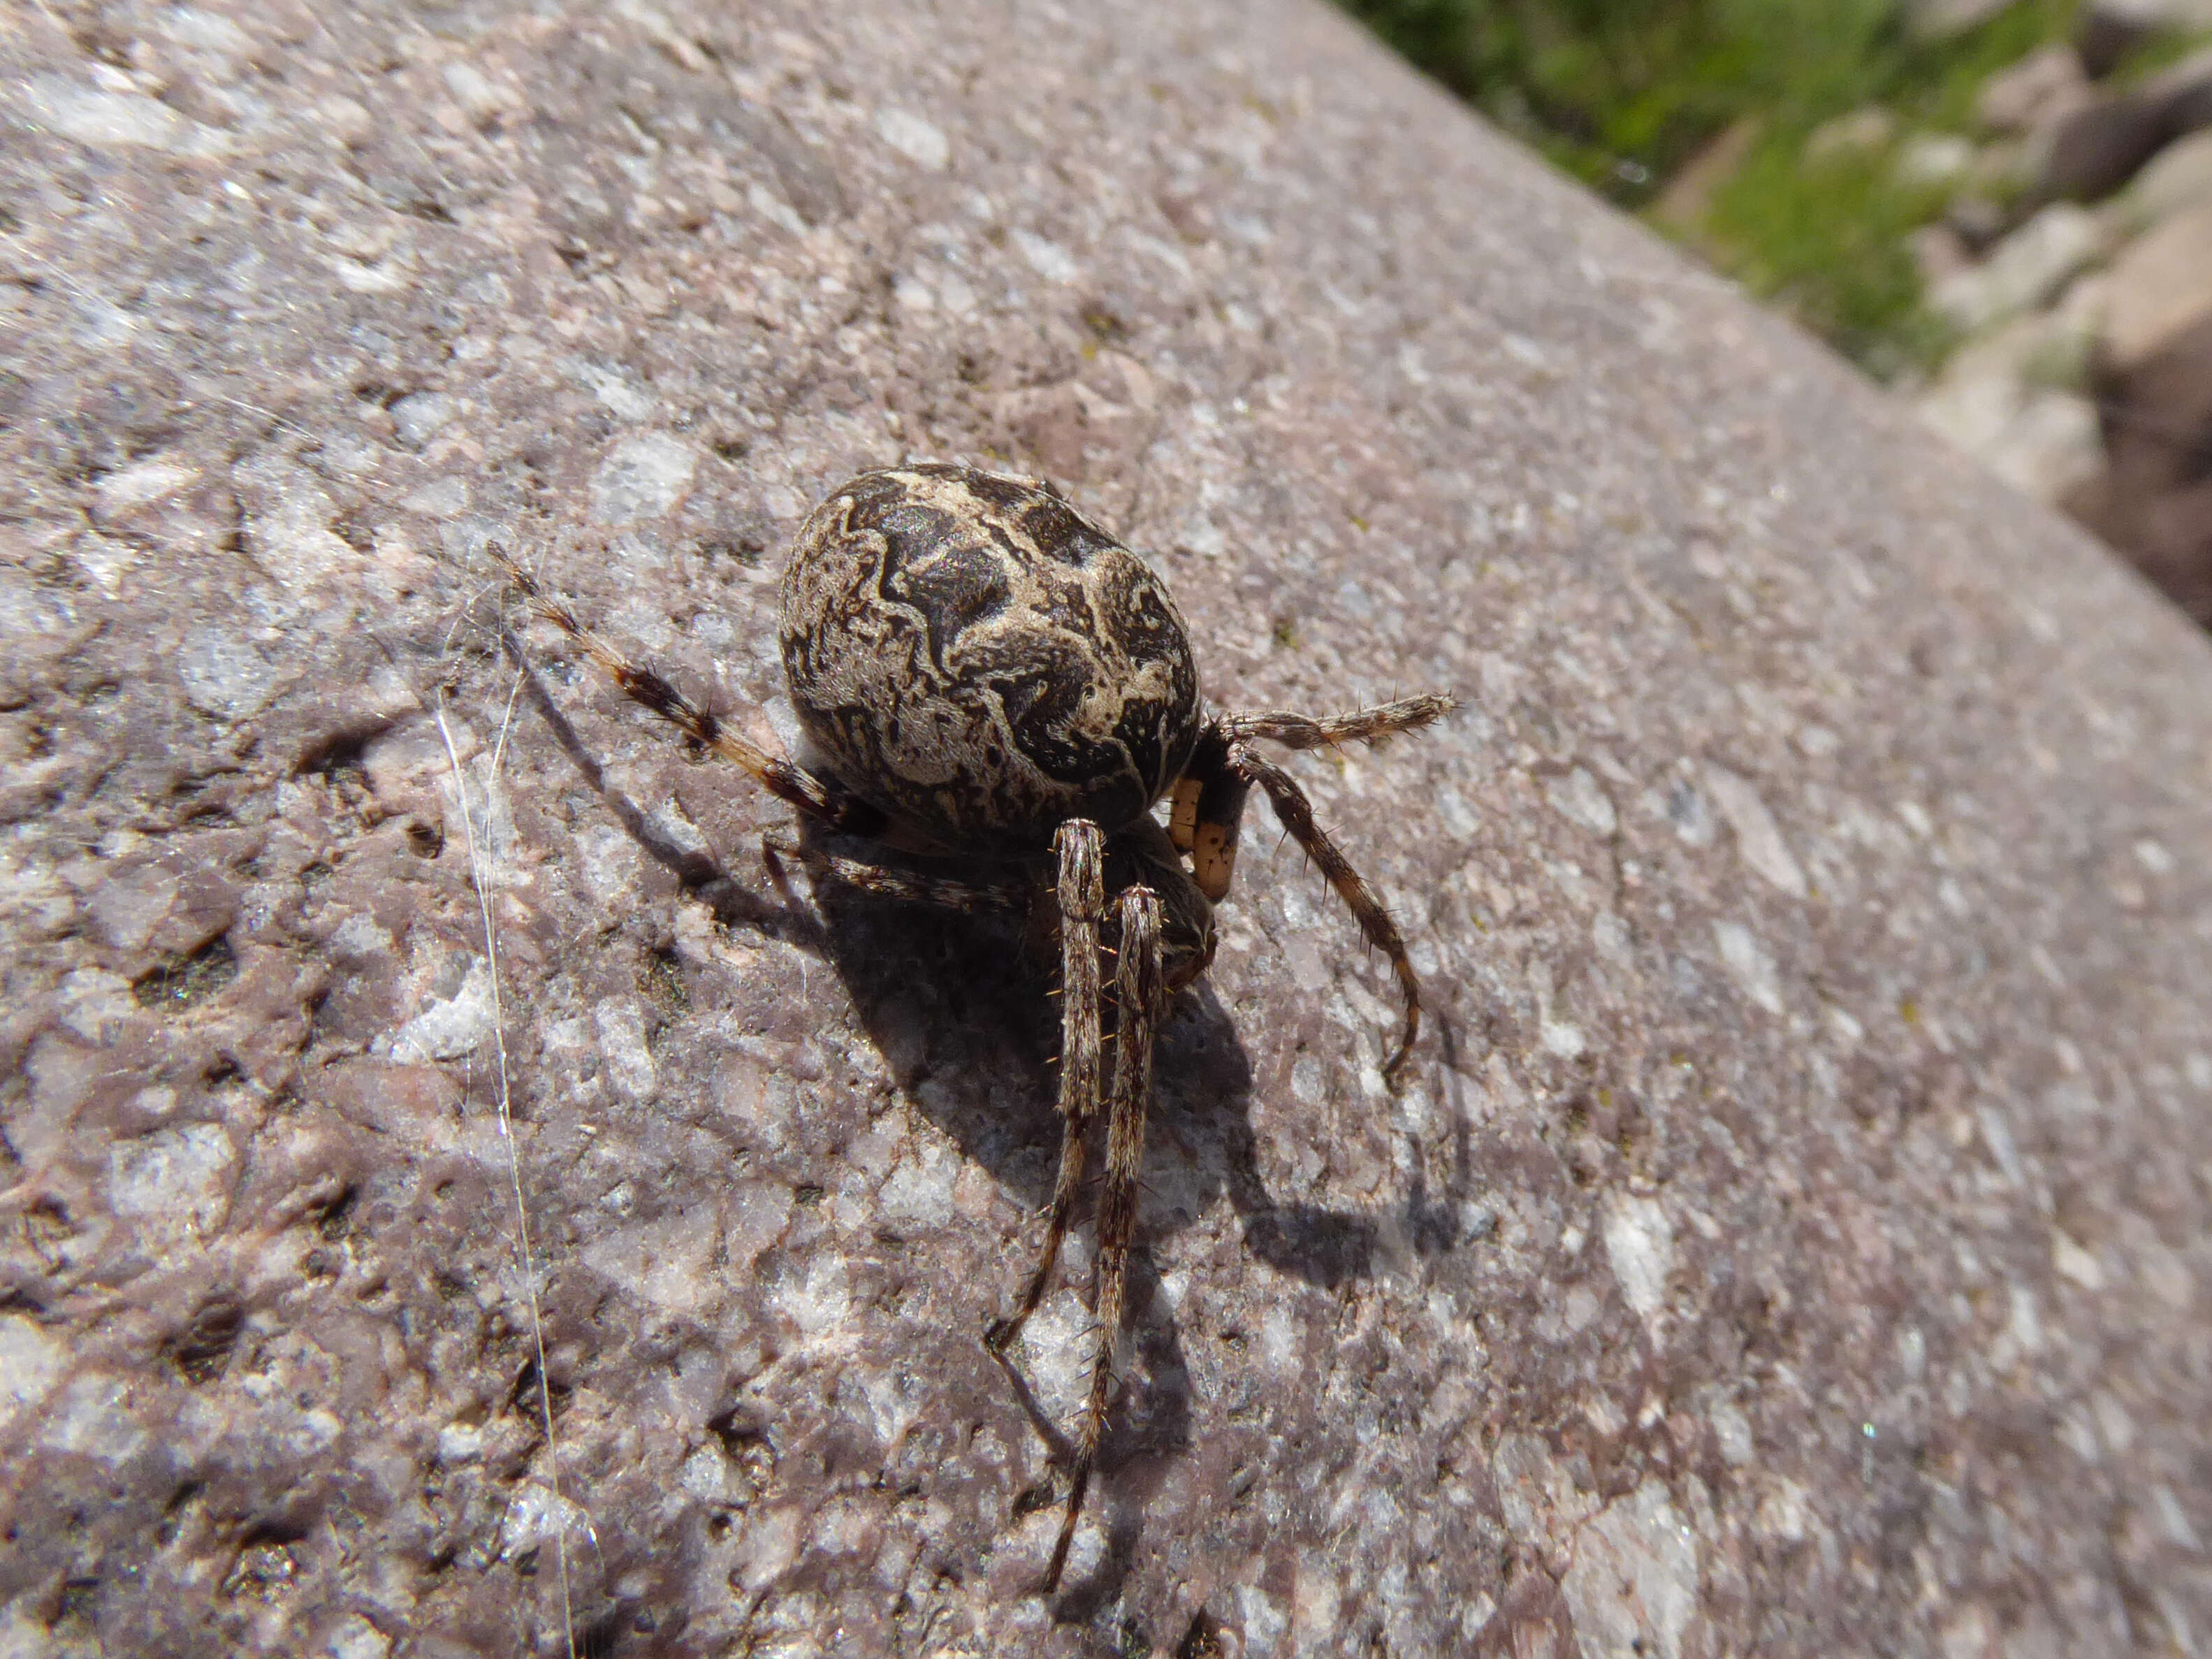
(977, 658)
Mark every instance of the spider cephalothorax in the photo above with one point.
(987, 677)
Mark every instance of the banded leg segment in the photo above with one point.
(1296, 813)
(1140, 985)
(915, 886)
(1081, 851)
(818, 797)
(1385, 720)
(1208, 800)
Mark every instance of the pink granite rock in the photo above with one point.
(1791, 1236)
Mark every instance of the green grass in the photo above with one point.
(1622, 92)
(1825, 237)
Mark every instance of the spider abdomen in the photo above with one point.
(974, 657)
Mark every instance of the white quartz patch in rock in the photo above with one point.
(1609, 933)
(616, 393)
(450, 1026)
(1578, 798)
(642, 477)
(30, 1360)
(421, 415)
(173, 1181)
(484, 99)
(1639, 1241)
(621, 1026)
(1540, 1501)
(1731, 1433)
(226, 676)
(538, 1515)
(669, 1262)
(2074, 1263)
(95, 1003)
(918, 1192)
(132, 903)
(1749, 964)
(116, 120)
(288, 524)
(819, 1301)
(204, 31)
(1758, 837)
(120, 494)
(1056, 1353)
(359, 938)
(91, 1416)
(1633, 1585)
(1784, 1513)
(922, 142)
(354, 1638)
(1047, 257)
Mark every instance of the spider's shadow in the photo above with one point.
(935, 989)
(916, 973)
(945, 993)
(941, 992)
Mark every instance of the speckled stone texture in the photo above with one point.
(1792, 1237)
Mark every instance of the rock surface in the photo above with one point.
(2027, 268)
(2160, 284)
(2080, 336)
(2179, 177)
(1792, 1236)
(2047, 85)
(2152, 496)
(2091, 153)
(2153, 14)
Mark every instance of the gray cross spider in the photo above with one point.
(989, 679)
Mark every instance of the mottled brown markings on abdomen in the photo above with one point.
(982, 661)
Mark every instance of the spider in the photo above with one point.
(991, 682)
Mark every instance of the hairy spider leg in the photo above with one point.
(1141, 987)
(1208, 801)
(1385, 720)
(913, 886)
(820, 797)
(1080, 848)
(1295, 812)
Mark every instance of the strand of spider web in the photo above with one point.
(506, 1134)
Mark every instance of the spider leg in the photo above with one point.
(1208, 799)
(1295, 812)
(1361, 726)
(919, 887)
(1140, 985)
(1081, 850)
(820, 797)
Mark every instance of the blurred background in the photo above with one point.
(2001, 208)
